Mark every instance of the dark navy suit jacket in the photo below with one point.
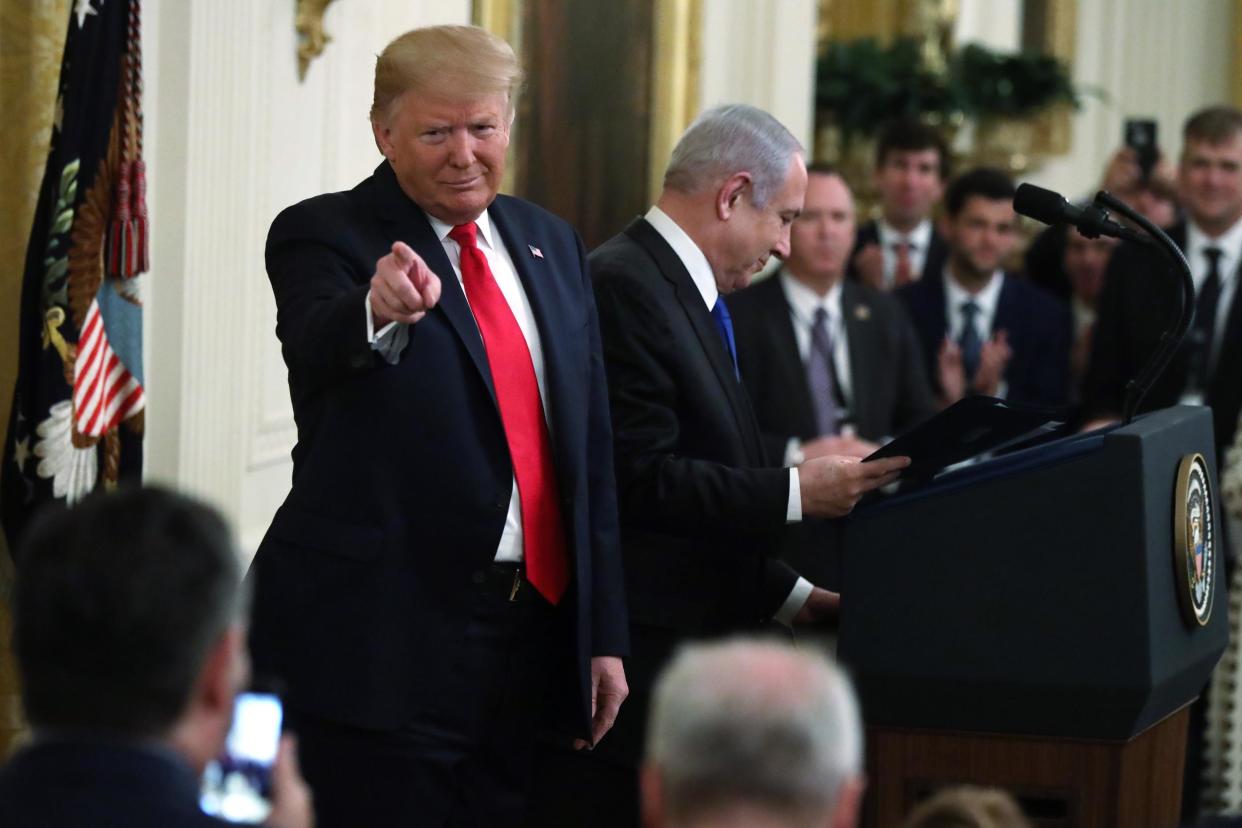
(402, 477)
(1037, 326)
(1137, 305)
(702, 505)
(70, 783)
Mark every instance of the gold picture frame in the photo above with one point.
(312, 39)
(1048, 26)
(674, 73)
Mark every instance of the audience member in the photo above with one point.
(752, 734)
(1155, 196)
(831, 365)
(130, 642)
(1085, 263)
(968, 807)
(902, 246)
(984, 331)
(1139, 301)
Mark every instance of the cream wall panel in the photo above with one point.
(995, 23)
(1156, 59)
(761, 52)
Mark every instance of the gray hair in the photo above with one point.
(729, 139)
(753, 722)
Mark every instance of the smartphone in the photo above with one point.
(1140, 135)
(237, 786)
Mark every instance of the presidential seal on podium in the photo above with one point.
(1194, 540)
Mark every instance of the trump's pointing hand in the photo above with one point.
(403, 288)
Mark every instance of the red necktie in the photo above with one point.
(904, 272)
(517, 395)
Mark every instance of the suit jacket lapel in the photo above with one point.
(410, 225)
(937, 253)
(1008, 314)
(860, 340)
(776, 309)
(551, 317)
(704, 327)
(1230, 354)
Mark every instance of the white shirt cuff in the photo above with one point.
(793, 452)
(793, 511)
(389, 340)
(796, 600)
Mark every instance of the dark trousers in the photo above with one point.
(464, 759)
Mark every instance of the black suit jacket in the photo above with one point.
(889, 389)
(66, 784)
(702, 507)
(1138, 303)
(1037, 326)
(401, 477)
(933, 262)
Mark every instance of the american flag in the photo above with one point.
(78, 413)
(104, 391)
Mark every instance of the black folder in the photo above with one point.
(971, 427)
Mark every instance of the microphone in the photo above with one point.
(1052, 208)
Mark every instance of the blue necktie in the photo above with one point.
(721, 314)
(969, 341)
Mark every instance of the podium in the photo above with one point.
(1017, 623)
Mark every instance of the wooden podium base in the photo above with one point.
(1058, 782)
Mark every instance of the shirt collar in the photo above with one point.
(1230, 243)
(804, 302)
(691, 256)
(443, 228)
(986, 299)
(919, 237)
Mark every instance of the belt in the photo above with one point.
(507, 580)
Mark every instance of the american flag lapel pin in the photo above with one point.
(535, 251)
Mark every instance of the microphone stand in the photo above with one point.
(1171, 339)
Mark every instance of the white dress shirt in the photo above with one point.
(918, 239)
(391, 339)
(695, 262)
(986, 298)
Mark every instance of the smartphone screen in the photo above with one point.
(238, 785)
(1140, 135)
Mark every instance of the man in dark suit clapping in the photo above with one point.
(984, 331)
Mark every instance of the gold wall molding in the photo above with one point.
(312, 39)
(1235, 57)
(676, 57)
(32, 45)
(674, 81)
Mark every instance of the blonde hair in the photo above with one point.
(461, 61)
